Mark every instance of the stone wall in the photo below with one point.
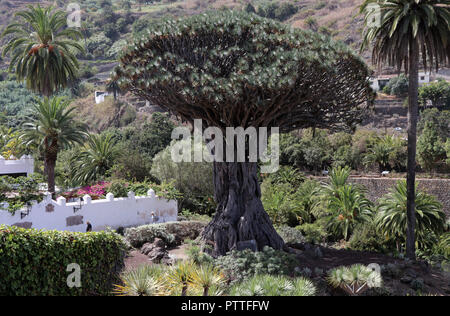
(377, 187)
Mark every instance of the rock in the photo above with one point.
(159, 243)
(159, 255)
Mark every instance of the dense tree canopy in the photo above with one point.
(237, 69)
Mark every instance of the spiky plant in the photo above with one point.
(182, 275)
(391, 218)
(51, 129)
(206, 277)
(269, 285)
(143, 281)
(95, 159)
(355, 279)
(41, 49)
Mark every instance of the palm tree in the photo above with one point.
(41, 49)
(407, 29)
(113, 86)
(52, 128)
(95, 159)
(391, 218)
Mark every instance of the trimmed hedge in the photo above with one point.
(34, 262)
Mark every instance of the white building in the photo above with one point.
(17, 167)
(380, 82)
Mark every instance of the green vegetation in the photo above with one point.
(99, 255)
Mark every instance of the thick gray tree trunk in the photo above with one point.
(412, 140)
(240, 215)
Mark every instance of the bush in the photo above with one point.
(366, 238)
(138, 236)
(268, 285)
(314, 233)
(397, 86)
(34, 262)
(242, 265)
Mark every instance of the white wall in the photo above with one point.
(23, 165)
(111, 212)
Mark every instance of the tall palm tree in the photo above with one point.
(407, 29)
(95, 159)
(42, 49)
(51, 129)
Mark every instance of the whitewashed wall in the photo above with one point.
(110, 212)
(11, 166)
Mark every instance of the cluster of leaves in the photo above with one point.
(241, 265)
(16, 193)
(34, 262)
(438, 93)
(397, 86)
(355, 279)
(270, 285)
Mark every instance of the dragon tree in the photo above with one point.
(234, 69)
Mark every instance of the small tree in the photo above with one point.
(430, 147)
(233, 69)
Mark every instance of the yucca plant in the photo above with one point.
(181, 274)
(391, 218)
(270, 285)
(354, 280)
(42, 49)
(206, 277)
(143, 281)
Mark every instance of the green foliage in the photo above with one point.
(439, 119)
(19, 192)
(397, 86)
(438, 93)
(391, 217)
(138, 236)
(241, 265)
(273, 10)
(290, 235)
(430, 147)
(45, 59)
(16, 103)
(366, 237)
(94, 160)
(286, 175)
(314, 233)
(34, 262)
(192, 179)
(143, 281)
(388, 152)
(354, 279)
(268, 285)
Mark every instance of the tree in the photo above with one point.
(233, 69)
(113, 86)
(407, 29)
(438, 93)
(52, 128)
(430, 147)
(41, 49)
(95, 159)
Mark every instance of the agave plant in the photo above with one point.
(354, 280)
(143, 281)
(270, 285)
(207, 277)
(391, 219)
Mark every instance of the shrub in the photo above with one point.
(268, 285)
(34, 262)
(241, 265)
(290, 235)
(397, 86)
(314, 233)
(138, 236)
(365, 237)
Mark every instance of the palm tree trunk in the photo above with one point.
(51, 175)
(413, 96)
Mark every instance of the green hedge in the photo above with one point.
(34, 262)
